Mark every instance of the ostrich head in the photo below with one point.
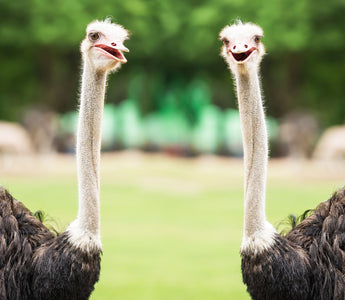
(242, 47)
(103, 45)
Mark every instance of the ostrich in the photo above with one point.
(35, 263)
(309, 262)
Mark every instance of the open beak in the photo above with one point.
(113, 52)
(242, 56)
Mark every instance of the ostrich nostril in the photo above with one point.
(113, 44)
(246, 46)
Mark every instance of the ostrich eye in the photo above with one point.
(94, 36)
(225, 41)
(257, 39)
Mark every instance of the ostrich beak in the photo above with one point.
(121, 47)
(241, 56)
(113, 51)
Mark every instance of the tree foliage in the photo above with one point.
(173, 42)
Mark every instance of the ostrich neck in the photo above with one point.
(254, 134)
(88, 147)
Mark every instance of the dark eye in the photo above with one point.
(257, 39)
(225, 41)
(94, 36)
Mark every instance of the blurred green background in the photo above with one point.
(174, 54)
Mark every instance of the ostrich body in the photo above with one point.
(309, 262)
(34, 263)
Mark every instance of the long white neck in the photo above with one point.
(257, 231)
(85, 231)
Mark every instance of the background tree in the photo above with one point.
(173, 43)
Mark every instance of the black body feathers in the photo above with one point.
(37, 264)
(308, 263)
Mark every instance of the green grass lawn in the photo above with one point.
(171, 228)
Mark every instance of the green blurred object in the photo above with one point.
(232, 136)
(130, 124)
(196, 95)
(272, 128)
(110, 129)
(69, 122)
(206, 134)
(167, 129)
